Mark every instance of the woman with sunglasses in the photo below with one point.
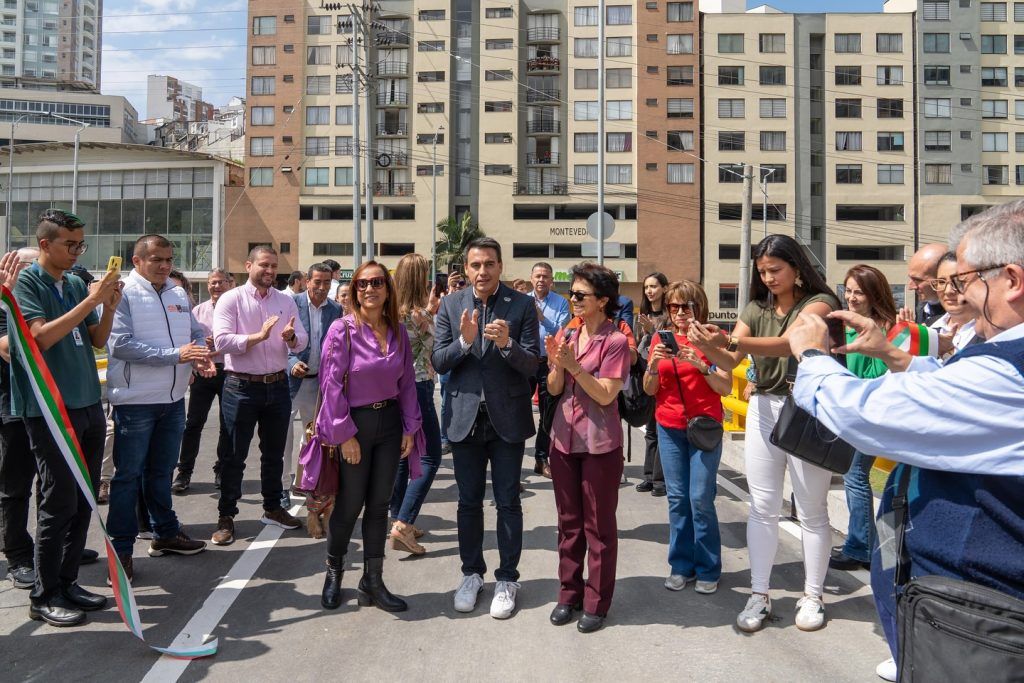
(652, 317)
(688, 386)
(370, 413)
(783, 284)
(588, 367)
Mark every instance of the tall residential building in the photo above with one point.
(171, 99)
(51, 43)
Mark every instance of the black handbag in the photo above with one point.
(952, 630)
(704, 433)
(803, 436)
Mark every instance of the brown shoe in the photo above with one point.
(126, 562)
(416, 531)
(103, 494)
(180, 544)
(404, 539)
(546, 470)
(225, 533)
(280, 517)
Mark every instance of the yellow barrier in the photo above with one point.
(735, 406)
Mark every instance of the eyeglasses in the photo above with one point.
(675, 308)
(960, 283)
(75, 248)
(576, 295)
(940, 284)
(363, 284)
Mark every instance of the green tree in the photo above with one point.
(455, 235)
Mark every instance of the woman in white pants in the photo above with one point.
(783, 285)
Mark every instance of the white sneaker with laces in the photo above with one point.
(677, 582)
(504, 602)
(887, 670)
(810, 613)
(757, 609)
(467, 592)
(706, 587)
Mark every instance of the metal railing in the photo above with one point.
(392, 68)
(543, 34)
(392, 38)
(543, 159)
(544, 64)
(393, 189)
(542, 126)
(392, 99)
(391, 129)
(543, 95)
(542, 188)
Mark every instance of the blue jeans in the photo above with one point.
(695, 544)
(408, 497)
(861, 537)
(147, 439)
(442, 381)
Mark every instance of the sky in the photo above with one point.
(203, 43)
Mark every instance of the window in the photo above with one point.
(938, 140)
(1018, 109)
(342, 83)
(343, 145)
(264, 56)
(585, 16)
(870, 212)
(618, 47)
(890, 108)
(318, 26)
(1018, 45)
(497, 138)
(585, 47)
(430, 46)
(936, 75)
(343, 115)
(994, 109)
(318, 146)
(318, 116)
(773, 173)
(318, 85)
(318, 55)
(498, 13)
(889, 42)
(679, 174)
(682, 107)
(851, 141)
(995, 175)
(870, 253)
(773, 141)
(317, 177)
(264, 26)
(938, 174)
(731, 141)
(585, 79)
(936, 43)
(261, 116)
(585, 111)
(993, 75)
(733, 212)
(730, 43)
(431, 15)
(619, 142)
(497, 106)
(438, 76)
(936, 10)
(727, 108)
(619, 174)
(730, 75)
(730, 173)
(682, 140)
(491, 75)
(1018, 11)
(585, 174)
(679, 75)
(1018, 77)
(585, 142)
(1019, 174)
(847, 42)
(1019, 142)
(618, 78)
(994, 142)
(619, 110)
(430, 108)
(498, 44)
(847, 75)
(847, 108)
(993, 45)
(619, 15)
(497, 169)
(890, 174)
(263, 85)
(429, 138)
(993, 11)
(772, 75)
(772, 108)
(849, 174)
(679, 44)
(430, 170)
(728, 296)
(890, 75)
(937, 108)
(772, 42)
(890, 142)
(261, 177)
(261, 147)
(680, 11)
(728, 252)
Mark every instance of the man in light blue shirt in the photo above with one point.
(553, 314)
(957, 424)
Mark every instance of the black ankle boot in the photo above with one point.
(372, 590)
(331, 597)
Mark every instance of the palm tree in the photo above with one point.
(455, 235)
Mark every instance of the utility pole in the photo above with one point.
(748, 199)
(364, 27)
(433, 220)
(600, 130)
(357, 209)
(764, 200)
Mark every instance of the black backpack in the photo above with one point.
(636, 407)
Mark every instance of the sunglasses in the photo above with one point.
(675, 308)
(577, 295)
(459, 285)
(363, 284)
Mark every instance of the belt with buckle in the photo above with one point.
(258, 379)
(378, 405)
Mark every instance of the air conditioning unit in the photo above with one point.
(507, 139)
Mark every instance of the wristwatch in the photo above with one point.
(811, 353)
(508, 345)
(733, 345)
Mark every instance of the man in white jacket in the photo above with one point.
(154, 344)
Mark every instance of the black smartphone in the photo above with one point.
(836, 337)
(669, 341)
(440, 285)
(456, 268)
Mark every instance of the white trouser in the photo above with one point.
(766, 469)
(303, 408)
(107, 466)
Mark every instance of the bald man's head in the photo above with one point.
(28, 254)
(923, 266)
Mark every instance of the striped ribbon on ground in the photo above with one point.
(24, 347)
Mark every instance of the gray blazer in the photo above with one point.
(330, 312)
(483, 372)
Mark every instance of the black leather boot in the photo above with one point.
(331, 597)
(372, 590)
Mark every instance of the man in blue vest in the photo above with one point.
(154, 344)
(956, 424)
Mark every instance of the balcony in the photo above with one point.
(392, 38)
(543, 96)
(388, 159)
(544, 34)
(544, 65)
(543, 127)
(392, 68)
(542, 188)
(543, 159)
(389, 130)
(392, 99)
(393, 189)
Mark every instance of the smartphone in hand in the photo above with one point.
(668, 340)
(836, 338)
(114, 264)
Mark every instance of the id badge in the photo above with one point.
(76, 334)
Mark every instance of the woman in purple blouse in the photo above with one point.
(370, 410)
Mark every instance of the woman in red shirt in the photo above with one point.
(686, 386)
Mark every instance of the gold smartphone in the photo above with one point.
(114, 264)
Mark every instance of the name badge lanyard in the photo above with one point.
(68, 304)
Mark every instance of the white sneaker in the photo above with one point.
(467, 592)
(677, 582)
(145, 536)
(706, 587)
(758, 608)
(887, 670)
(810, 613)
(504, 602)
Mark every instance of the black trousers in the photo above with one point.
(17, 470)
(543, 441)
(63, 521)
(200, 399)
(366, 486)
(652, 459)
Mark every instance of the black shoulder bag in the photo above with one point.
(705, 433)
(952, 630)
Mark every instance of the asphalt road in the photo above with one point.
(275, 628)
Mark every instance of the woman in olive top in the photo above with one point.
(783, 284)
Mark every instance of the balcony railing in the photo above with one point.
(388, 159)
(392, 68)
(543, 159)
(542, 188)
(393, 189)
(392, 38)
(391, 130)
(535, 95)
(543, 127)
(544, 64)
(544, 34)
(392, 99)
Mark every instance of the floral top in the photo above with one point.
(421, 339)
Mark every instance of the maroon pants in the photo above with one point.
(586, 496)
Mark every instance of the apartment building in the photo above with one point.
(818, 104)
(48, 42)
(171, 99)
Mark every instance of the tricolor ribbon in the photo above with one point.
(24, 346)
(915, 338)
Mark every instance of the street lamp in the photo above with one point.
(74, 174)
(10, 180)
(433, 223)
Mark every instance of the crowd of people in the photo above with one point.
(358, 361)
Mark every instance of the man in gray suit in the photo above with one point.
(486, 337)
(316, 313)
